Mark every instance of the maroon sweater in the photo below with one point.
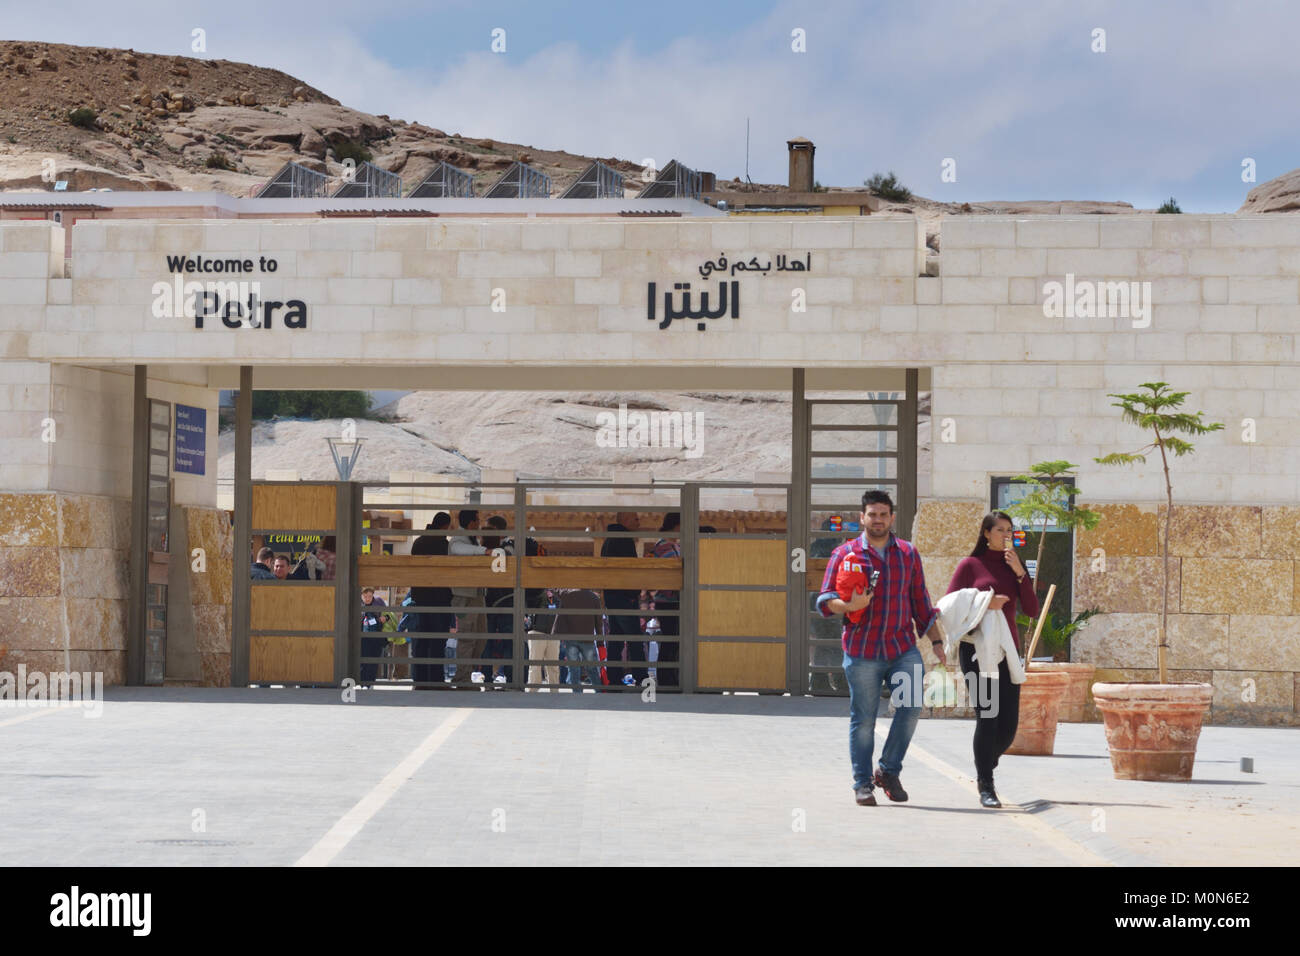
(990, 570)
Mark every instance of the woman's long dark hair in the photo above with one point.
(990, 519)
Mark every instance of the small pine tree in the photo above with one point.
(888, 187)
(1170, 206)
(1147, 411)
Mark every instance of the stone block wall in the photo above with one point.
(1234, 572)
(210, 529)
(64, 579)
(63, 582)
(1234, 597)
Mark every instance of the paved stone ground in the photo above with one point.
(287, 776)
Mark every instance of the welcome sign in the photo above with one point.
(237, 303)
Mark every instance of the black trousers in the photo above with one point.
(624, 625)
(426, 648)
(500, 648)
(668, 652)
(371, 647)
(993, 734)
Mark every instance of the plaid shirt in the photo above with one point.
(901, 601)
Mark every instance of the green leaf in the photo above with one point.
(1120, 458)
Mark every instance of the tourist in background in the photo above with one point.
(435, 622)
(623, 625)
(372, 622)
(668, 601)
(468, 648)
(261, 569)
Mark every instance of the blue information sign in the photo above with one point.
(191, 439)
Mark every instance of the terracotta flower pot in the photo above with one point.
(1152, 728)
(1040, 702)
(1077, 694)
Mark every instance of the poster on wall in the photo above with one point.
(191, 440)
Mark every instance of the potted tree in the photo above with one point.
(1152, 728)
(1049, 502)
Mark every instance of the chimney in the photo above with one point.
(801, 164)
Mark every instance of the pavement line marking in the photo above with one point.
(32, 716)
(1079, 854)
(350, 824)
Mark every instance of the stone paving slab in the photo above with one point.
(524, 779)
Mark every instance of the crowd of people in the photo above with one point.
(604, 639)
(315, 564)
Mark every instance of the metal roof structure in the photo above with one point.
(520, 182)
(597, 181)
(295, 182)
(444, 182)
(370, 182)
(52, 204)
(674, 181)
(165, 204)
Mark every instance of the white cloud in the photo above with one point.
(1008, 89)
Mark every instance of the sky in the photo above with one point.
(1021, 97)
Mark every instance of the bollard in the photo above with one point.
(1247, 764)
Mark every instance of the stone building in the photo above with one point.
(589, 294)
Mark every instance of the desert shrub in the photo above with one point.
(82, 116)
(888, 187)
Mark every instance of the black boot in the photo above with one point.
(988, 796)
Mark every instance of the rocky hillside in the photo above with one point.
(542, 434)
(1277, 195)
(152, 121)
(174, 122)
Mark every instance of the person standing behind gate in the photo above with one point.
(437, 622)
(468, 647)
(880, 649)
(327, 557)
(623, 624)
(669, 624)
(580, 632)
(499, 648)
(372, 621)
(261, 569)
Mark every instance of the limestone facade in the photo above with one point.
(1233, 597)
(1012, 382)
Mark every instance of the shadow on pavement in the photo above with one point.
(1037, 806)
(1075, 756)
(917, 806)
(667, 702)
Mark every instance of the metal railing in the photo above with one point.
(520, 616)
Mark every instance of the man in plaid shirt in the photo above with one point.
(881, 647)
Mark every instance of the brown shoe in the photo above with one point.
(892, 786)
(865, 798)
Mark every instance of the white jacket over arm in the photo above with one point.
(967, 610)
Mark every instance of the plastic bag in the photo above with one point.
(940, 688)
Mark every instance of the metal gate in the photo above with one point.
(850, 446)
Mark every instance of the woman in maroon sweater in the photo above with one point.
(994, 564)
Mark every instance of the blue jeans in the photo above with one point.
(583, 651)
(903, 675)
